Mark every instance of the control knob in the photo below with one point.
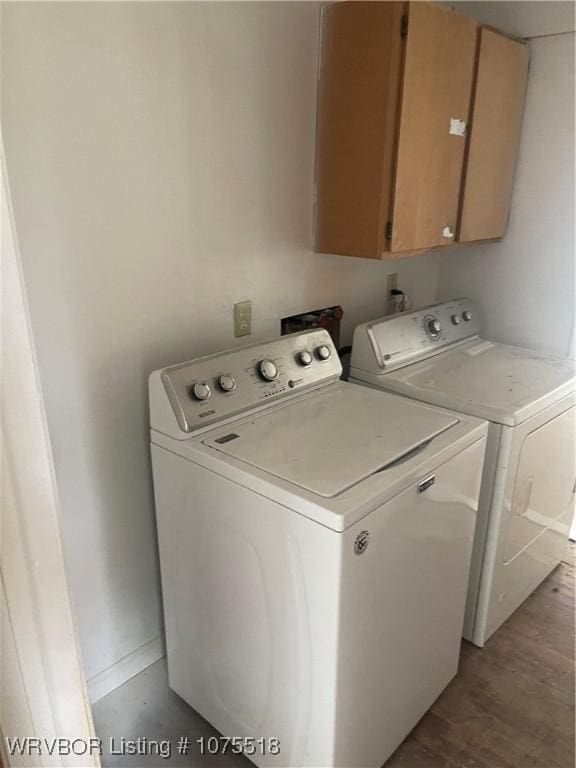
(201, 391)
(227, 382)
(323, 351)
(433, 327)
(467, 315)
(455, 319)
(268, 370)
(304, 357)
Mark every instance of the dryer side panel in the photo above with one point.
(481, 530)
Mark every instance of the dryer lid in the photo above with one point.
(487, 379)
(329, 442)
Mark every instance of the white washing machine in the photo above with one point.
(315, 541)
(436, 355)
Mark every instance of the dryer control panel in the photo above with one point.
(210, 389)
(395, 341)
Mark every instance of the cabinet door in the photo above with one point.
(494, 137)
(360, 64)
(437, 89)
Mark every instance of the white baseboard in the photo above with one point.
(125, 668)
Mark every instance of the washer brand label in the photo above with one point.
(361, 542)
(206, 413)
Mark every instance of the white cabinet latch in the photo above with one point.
(457, 127)
(448, 233)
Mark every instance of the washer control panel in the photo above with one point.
(398, 340)
(216, 387)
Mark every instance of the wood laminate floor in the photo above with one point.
(512, 703)
(510, 706)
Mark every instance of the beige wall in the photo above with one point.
(161, 160)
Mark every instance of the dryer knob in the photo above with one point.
(467, 316)
(201, 391)
(304, 357)
(455, 319)
(323, 352)
(433, 327)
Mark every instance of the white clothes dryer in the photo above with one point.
(436, 355)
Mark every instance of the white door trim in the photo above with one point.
(42, 686)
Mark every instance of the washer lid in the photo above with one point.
(482, 378)
(334, 440)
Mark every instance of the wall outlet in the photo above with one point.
(391, 283)
(243, 318)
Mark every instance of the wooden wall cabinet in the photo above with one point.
(398, 168)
